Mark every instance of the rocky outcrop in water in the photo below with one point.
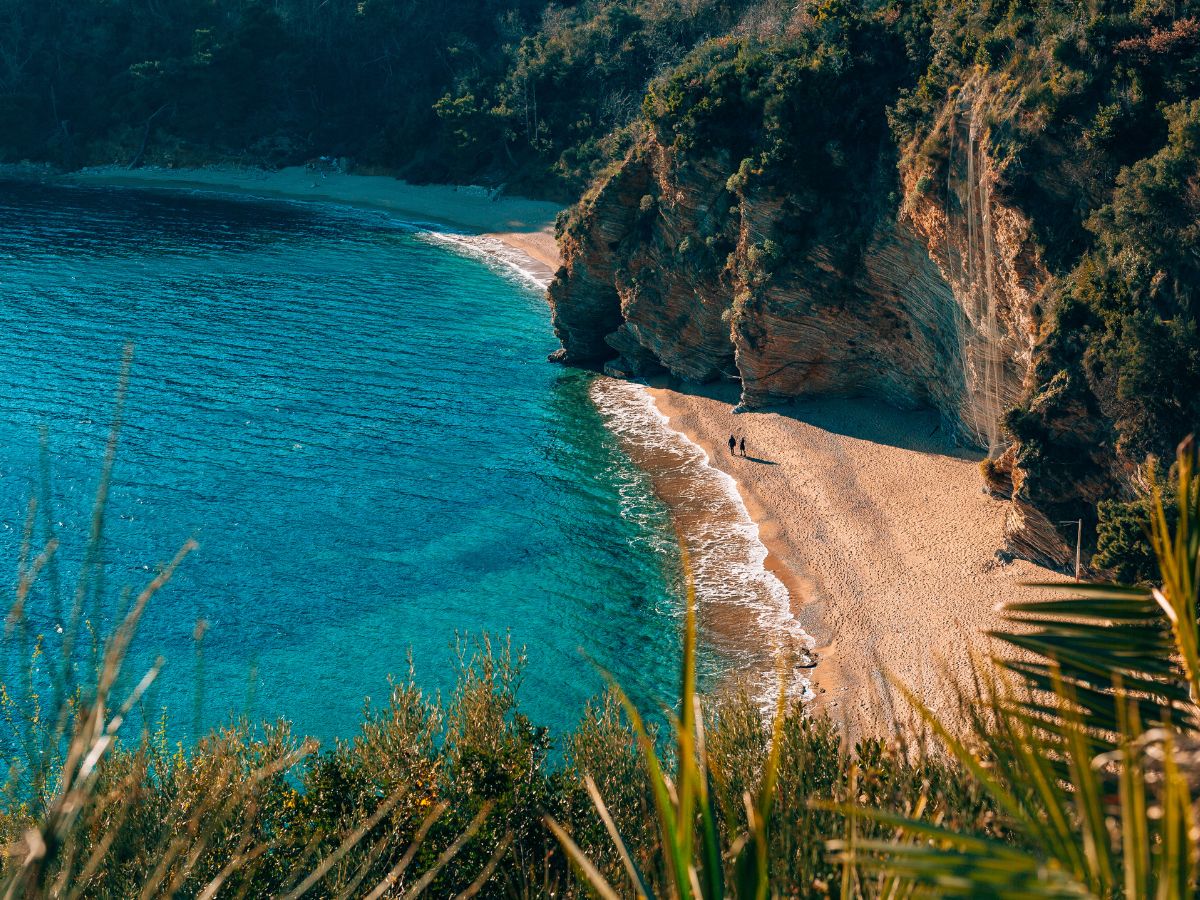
(936, 299)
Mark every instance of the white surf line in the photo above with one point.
(491, 249)
(729, 558)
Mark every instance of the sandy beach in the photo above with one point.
(522, 224)
(882, 533)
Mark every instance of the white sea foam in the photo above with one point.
(502, 257)
(505, 257)
(727, 556)
(493, 250)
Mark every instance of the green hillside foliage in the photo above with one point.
(1092, 120)
(797, 107)
(521, 91)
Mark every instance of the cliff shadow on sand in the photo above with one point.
(878, 525)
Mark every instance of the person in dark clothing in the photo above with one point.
(732, 445)
(743, 446)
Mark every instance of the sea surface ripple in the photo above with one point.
(361, 431)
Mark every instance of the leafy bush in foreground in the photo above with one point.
(1075, 779)
(257, 811)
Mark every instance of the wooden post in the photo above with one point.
(1078, 523)
(1079, 541)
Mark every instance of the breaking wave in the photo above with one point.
(745, 610)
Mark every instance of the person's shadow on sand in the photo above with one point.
(761, 462)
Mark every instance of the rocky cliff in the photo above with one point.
(934, 299)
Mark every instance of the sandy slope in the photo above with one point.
(527, 225)
(883, 534)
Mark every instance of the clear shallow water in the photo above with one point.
(746, 615)
(359, 428)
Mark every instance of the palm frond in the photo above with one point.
(1147, 640)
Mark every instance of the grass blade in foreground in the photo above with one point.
(1099, 803)
(685, 805)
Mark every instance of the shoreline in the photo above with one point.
(833, 514)
(883, 536)
(745, 607)
(524, 226)
(769, 529)
(674, 408)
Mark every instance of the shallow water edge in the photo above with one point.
(745, 609)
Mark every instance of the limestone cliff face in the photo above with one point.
(936, 301)
(638, 281)
(984, 251)
(881, 323)
(582, 296)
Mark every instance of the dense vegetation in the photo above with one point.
(525, 92)
(1076, 778)
(1094, 127)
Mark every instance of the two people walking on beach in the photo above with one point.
(733, 446)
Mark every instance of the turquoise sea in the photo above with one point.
(358, 426)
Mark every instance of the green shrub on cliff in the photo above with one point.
(1124, 545)
(794, 112)
(1123, 541)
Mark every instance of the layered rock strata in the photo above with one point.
(939, 302)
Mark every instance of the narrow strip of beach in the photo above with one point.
(881, 530)
(524, 225)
